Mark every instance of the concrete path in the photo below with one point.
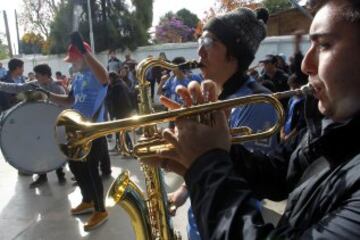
(43, 213)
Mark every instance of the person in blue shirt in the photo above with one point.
(16, 70)
(3, 71)
(319, 178)
(295, 119)
(179, 77)
(87, 95)
(225, 52)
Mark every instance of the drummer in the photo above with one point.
(45, 82)
(16, 70)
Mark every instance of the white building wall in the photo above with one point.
(271, 45)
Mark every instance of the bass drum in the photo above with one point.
(27, 137)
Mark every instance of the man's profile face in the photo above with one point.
(213, 55)
(332, 62)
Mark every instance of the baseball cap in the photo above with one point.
(73, 52)
(269, 58)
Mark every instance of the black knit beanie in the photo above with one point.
(241, 31)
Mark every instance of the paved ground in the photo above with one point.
(43, 213)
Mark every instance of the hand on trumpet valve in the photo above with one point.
(191, 138)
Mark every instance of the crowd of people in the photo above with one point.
(313, 162)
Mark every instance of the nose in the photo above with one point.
(309, 64)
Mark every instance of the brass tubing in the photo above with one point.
(80, 132)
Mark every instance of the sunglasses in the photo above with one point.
(206, 42)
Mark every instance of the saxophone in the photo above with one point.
(149, 214)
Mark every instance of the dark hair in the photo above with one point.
(15, 63)
(178, 60)
(350, 12)
(113, 76)
(43, 69)
(58, 73)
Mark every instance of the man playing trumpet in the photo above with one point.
(320, 179)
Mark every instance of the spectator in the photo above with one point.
(114, 63)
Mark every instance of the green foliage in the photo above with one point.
(115, 24)
(60, 29)
(188, 18)
(275, 6)
(32, 43)
(3, 50)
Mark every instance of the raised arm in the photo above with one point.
(95, 66)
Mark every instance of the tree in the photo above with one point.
(173, 30)
(116, 24)
(187, 17)
(60, 28)
(37, 15)
(179, 27)
(3, 50)
(223, 6)
(32, 43)
(275, 6)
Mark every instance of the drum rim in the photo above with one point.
(4, 116)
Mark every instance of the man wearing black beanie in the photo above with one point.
(226, 48)
(320, 178)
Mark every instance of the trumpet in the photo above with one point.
(74, 133)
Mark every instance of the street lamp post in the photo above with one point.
(92, 42)
(8, 34)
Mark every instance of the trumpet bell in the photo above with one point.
(67, 129)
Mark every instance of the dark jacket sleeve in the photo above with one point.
(225, 207)
(257, 168)
(223, 204)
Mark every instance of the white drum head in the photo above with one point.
(27, 137)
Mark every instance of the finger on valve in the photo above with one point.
(168, 103)
(209, 91)
(195, 91)
(184, 94)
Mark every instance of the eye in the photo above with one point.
(323, 45)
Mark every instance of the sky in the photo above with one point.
(160, 7)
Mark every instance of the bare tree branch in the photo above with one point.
(38, 14)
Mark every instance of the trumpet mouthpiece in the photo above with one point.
(190, 65)
(307, 89)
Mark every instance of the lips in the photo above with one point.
(316, 88)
